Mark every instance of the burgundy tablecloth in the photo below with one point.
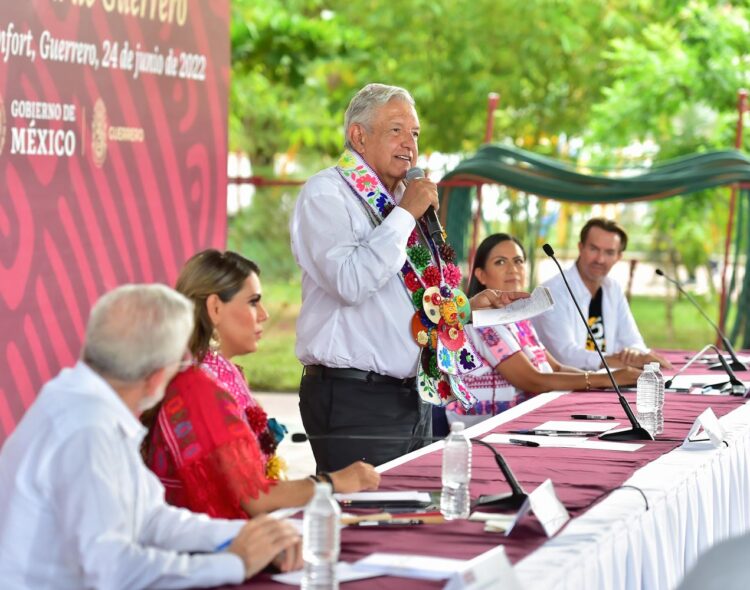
(581, 478)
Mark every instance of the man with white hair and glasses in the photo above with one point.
(80, 509)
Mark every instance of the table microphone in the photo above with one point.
(636, 431)
(502, 502)
(695, 357)
(736, 364)
(430, 218)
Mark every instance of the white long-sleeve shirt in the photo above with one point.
(564, 335)
(81, 510)
(356, 311)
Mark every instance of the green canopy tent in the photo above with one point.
(546, 177)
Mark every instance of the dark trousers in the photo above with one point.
(347, 407)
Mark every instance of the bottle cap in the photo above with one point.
(457, 426)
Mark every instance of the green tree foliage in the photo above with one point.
(284, 64)
(677, 80)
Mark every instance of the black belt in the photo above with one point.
(357, 375)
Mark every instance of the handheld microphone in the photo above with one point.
(736, 364)
(503, 502)
(636, 431)
(695, 357)
(430, 218)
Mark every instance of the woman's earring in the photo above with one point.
(214, 343)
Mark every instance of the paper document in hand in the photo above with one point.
(521, 309)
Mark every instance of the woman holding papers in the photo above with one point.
(209, 441)
(516, 364)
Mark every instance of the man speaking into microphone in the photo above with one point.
(367, 260)
(601, 246)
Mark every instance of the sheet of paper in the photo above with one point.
(547, 507)
(577, 426)
(521, 309)
(406, 496)
(422, 567)
(345, 572)
(713, 358)
(491, 569)
(688, 381)
(564, 442)
(709, 423)
(605, 445)
(544, 441)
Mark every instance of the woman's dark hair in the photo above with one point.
(480, 258)
(207, 273)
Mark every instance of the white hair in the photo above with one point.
(135, 330)
(369, 99)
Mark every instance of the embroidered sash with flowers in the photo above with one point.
(431, 278)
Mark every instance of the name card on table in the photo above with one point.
(710, 425)
(487, 571)
(546, 506)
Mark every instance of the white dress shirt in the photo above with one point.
(356, 311)
(563, 333)
(81, 510)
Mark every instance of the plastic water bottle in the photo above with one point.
(659, 398)
(321, 540)
(646, 398)
(454, 500)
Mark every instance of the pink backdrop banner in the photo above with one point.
(113, 149)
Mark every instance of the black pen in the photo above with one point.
(550, 432)
(591, 417)
(523, 443)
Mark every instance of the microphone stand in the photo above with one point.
(502, 502)
(736, 387)
(695, 357)
(736, 364)
(636, 431)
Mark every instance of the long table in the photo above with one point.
(697, 496)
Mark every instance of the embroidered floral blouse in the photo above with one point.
(494, 394)
(203, 449)
(212, 445)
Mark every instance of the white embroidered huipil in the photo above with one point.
(81, 510)
(356, 311)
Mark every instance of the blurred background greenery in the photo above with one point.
(602, 83)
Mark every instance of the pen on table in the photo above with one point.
(394, 522)
(550, 432)
(591, 417)
(523, 443)
(224, 545)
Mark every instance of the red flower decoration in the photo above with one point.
(257, 419)
(411, 281)
(366, 181)
(413, 239)
(452, 275)
(431, 276)
(444, 390)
